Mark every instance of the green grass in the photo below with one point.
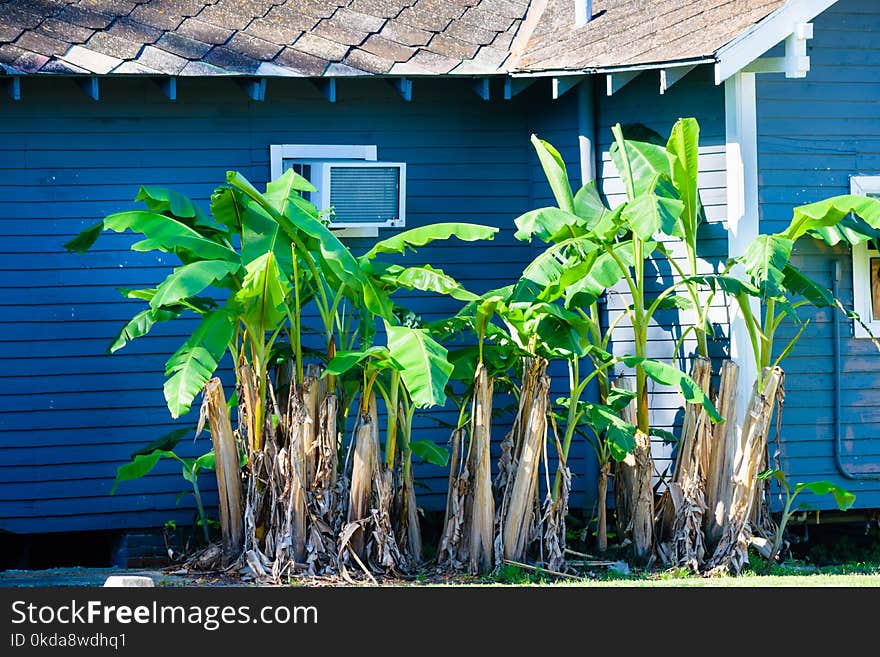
(818, 579)
(854, 574)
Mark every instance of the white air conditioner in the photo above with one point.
(361, 194)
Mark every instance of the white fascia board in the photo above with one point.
(747, 47)
(653, 66)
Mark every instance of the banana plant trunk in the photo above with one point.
(227, 468)
(467, 540)
(731, 551)
(602, 507)
(521, 460)
(721, 458)
(364, 463)
(405, 510)
(482, 516)
(683, 504)
(291, 516)
(633, 486)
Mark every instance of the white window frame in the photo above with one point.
(367, 152)
(862, 254)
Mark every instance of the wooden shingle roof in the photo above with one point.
(258, 37)
(636, 32)
(312, 38)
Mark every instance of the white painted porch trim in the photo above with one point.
(741, 131)
(751, 44)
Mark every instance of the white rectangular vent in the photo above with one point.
(361, 194)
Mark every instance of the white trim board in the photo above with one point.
(861, 265)
(280, 152)
(751, 44)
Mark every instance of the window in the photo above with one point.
(364, 194)
(866, 267)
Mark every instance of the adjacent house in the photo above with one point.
(436, 100)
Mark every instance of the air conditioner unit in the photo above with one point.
(361, 194)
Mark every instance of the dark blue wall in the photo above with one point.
(69, 413)
(813, 135)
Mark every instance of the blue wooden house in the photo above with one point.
(102, 96)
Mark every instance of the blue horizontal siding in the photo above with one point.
(813, 134)
(69, 412)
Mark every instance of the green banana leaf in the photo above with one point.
(549, 225)
(263, 294)
(189, 280)
(190, 367)
(423, 235)
(682, 151)
(764, 261)
(656, 209)
(668, 375)
(556, 173)
(141, 324)
(426, 369)
(824, 219)
(422, 277)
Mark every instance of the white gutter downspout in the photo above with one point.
(741, 131)
(586, 113)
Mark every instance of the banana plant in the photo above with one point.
(409, 372)
(247, 271)
(842, 498)
(780, 286)
(642, 157)
(592, 248)
(479, 371)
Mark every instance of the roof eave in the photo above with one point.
(596, 70)
(737, 54)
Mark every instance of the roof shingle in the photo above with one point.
(301, 62)
(183, 46)
(115, 46)
(206, 32)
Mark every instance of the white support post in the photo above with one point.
(797, 62)
(742, 215)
